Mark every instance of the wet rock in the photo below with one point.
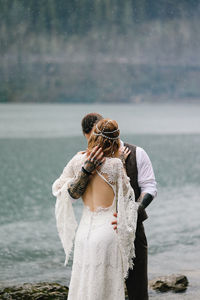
(175, 282)
(38, 291)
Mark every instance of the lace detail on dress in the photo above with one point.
(126, 218)
(97, 266)
(100, 209)
(127, 209)
(109, 169)
(102, 253)
(65, 219)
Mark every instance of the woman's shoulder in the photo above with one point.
(79, 155)
(77, 159)
(113, 167)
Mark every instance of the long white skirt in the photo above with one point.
(97, 264)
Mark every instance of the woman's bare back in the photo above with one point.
(98, 193)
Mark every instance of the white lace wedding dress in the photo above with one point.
(102, 256)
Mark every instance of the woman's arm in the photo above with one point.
(79, 184)
(77, 187)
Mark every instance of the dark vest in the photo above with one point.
(132, 172)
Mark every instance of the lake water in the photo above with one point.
(36, 141)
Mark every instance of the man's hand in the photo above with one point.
(145, 201)
(94, 160)
(124, 153)
(114, 223)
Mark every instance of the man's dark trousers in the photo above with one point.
(137, 281)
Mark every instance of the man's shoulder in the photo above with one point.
(137, 151)
(130, 145)
(136, 147)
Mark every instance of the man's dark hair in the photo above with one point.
(88, 122)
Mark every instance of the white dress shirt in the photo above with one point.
(146, 177)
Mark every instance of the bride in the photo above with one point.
(102, 256)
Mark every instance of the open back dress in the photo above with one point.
(102, 255)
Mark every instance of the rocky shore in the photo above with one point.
(38, 291)
(176, 282)
(51, 291)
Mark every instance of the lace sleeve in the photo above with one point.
(67, 174)
(127, 218)
(65, 219)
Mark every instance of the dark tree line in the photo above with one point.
(79, 17)
(48, 49)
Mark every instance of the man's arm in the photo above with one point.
(146, 177)
(146, 200)
(78, 186)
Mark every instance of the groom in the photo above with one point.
(142, 180)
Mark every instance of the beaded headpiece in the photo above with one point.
(103, 133)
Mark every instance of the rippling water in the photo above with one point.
(33, 157)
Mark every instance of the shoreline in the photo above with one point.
(55, 289)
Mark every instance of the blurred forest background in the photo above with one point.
(99, 50)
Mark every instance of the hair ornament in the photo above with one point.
(101, 133)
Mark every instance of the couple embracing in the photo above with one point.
(116, 183)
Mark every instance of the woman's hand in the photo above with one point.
(95, 159)
(124, 153)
